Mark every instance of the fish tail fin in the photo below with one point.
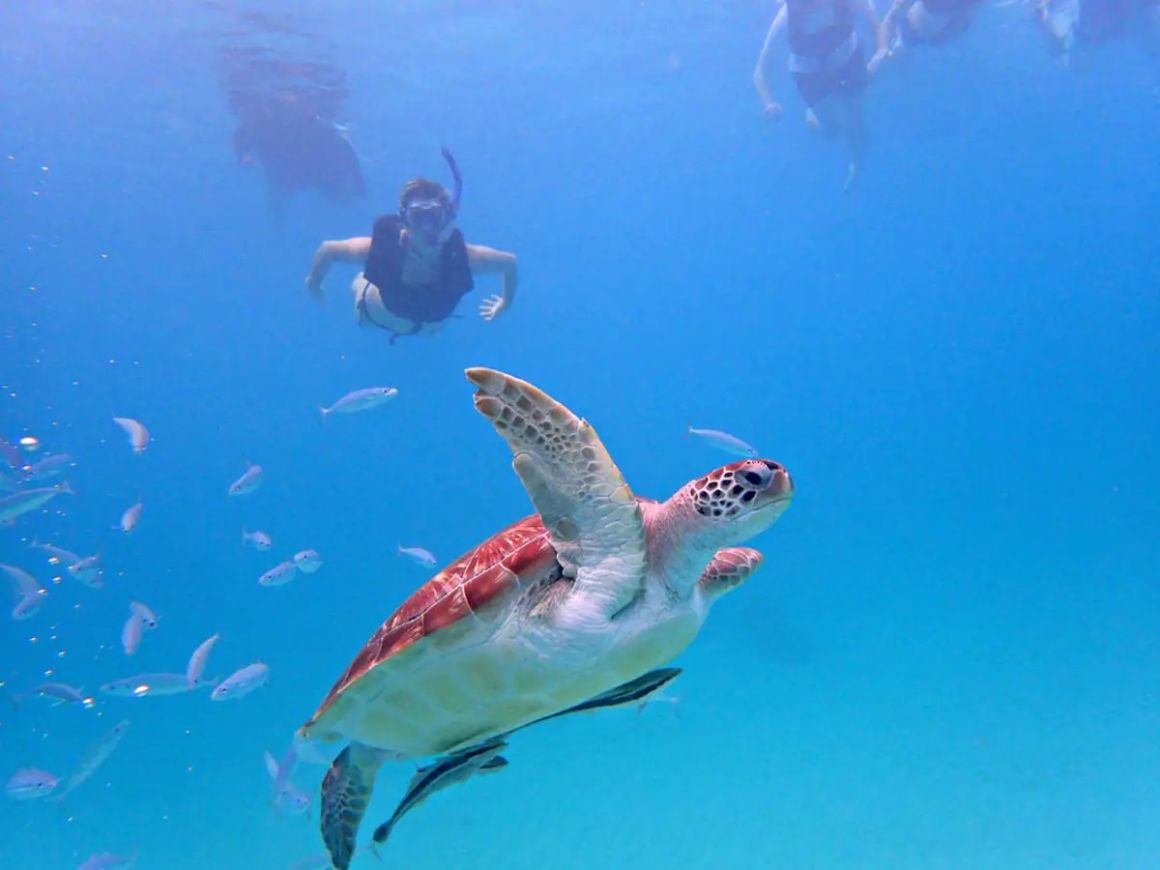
(65, 488)
(323, 411)
(688, 428)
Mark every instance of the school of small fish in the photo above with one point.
(21, 495)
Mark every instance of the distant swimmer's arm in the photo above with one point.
(483, 261)
(897, 10)
(771, 106)
(882, 48)
(346, 251)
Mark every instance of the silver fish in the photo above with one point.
(147, 617)
(131, 517)
(93, 759)
(135, 429)
(197, 662)
(108, 861)
(11, 454)
(57, 555)
(152, 686)
(241, 682)
(26, 500)
(419, 556)
(724, 441)
(280, 574)
(307, 561)
(257, 539)
(359, 400)
(50, 466)
(89, 571)
(140, 619)
(29, 784)
(27, 594)
(248, 482)
(444, 772)
(286, 796)
(131, 633)
(285, 768)
(23, 583)
(61, 693)
(27, 607)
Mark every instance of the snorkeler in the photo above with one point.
(1074, 27)
(416, 265)
(828, 65)
(298, 148)
(927, 22)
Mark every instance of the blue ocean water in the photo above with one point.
(951, 658)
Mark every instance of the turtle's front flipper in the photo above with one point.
(346, 791)
(729, 569)
(580, 494)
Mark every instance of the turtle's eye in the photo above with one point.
(754, 478)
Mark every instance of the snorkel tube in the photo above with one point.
(458, 182)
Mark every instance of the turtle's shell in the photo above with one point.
(449, 611)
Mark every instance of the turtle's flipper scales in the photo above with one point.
(346, 791)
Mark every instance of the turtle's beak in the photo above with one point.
(770, 491)
(773, 484)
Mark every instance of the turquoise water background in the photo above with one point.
(951, 658)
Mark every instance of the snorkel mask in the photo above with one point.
(433, 219)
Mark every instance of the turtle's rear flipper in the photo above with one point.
(346, 791)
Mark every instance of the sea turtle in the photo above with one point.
(596, 589)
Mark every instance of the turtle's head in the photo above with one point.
(735, 502)
(720, 510)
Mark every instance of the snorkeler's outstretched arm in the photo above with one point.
(346, 251)
(484, 261)
(769, 105)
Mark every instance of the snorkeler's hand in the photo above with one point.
(490, 307)
(314, 287)
(851, 176)
(318, 269)
(773, 109)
